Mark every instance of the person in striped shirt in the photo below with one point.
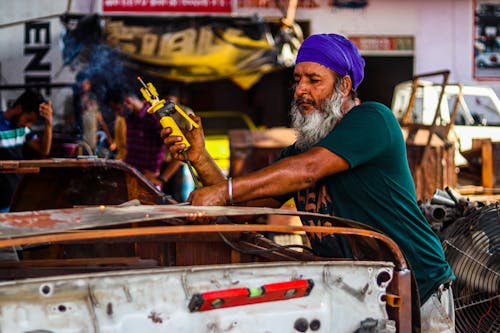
(16, 137)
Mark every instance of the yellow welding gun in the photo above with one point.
(164, 110)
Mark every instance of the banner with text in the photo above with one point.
(167, 6)
(195, 49)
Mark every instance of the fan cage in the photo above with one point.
(472, 247)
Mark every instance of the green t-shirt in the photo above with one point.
(377, 190)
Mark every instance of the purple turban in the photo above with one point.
(335, 52)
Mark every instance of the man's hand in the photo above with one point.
(215, 195)
(208, 171)
(43, 144)
(46, 112)
(195, 137)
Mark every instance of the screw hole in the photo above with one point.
(315, 324)
(46, 289)
(383, 277)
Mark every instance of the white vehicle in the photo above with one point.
(477, 114)
(103, 250)
(137, 266)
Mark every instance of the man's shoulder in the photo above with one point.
(374, 111)
(375, 107)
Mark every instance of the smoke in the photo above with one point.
(81, 35)
(106, 71)
(86, 54)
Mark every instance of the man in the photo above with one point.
(92, 117)
(16, 136)
(349, 161)
(120, 130)
(145, 149)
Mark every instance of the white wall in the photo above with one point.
(444, 38)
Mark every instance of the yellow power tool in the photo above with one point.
(164, 110)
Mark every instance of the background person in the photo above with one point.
(17, 139)
(92, 119)
(115, 103)
(145, 149)
(348, 161)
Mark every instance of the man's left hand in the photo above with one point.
(215, 195)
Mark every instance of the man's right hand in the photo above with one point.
(46, 112)
(195, 137)
(205, 166)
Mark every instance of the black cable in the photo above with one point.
(272, 249)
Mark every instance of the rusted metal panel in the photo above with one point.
(406, 311)
(25, 228)
(41, 222)
(65, 183)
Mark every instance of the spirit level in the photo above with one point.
(279, 291)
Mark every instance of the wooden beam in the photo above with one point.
(487, 173)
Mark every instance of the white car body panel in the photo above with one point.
(156, 300)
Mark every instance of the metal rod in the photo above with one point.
(142, 82)
(36, 85)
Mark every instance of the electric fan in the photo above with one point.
(472, 247)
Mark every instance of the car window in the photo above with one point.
(475, 109)
(416, 114)
(482, 110)
(463, 116)
(424, 108)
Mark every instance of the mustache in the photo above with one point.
(301, 100)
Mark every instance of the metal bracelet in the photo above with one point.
(230, 190)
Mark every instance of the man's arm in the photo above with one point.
(42, 145)
(104, 126)
(258, 188)
(285, 176)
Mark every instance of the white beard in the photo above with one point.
(311, 128)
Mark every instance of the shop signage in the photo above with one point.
(178, 48)
(167, 6)
(384, 43)
(36, 46)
